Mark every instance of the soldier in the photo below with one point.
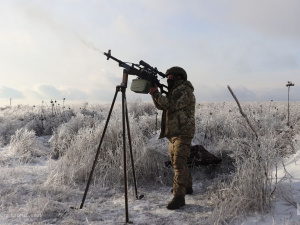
(178, 125)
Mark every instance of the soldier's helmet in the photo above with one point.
(177, 71)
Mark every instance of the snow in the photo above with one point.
(287, 209)
(26, 200)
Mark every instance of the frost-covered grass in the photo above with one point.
(46, 158)
(250, 187)
(24, 145)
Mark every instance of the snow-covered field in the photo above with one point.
(27, 200)
(33, 191)
(286, 209)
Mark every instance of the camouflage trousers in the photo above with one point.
(179, 151)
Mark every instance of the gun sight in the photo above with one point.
(153, 69)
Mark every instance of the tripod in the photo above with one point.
(119, 88)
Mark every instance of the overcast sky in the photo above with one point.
(53, 49)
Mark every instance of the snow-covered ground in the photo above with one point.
(26, 199)
(287, 209)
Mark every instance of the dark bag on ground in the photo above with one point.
(199, 156)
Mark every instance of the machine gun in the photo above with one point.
(147, 75)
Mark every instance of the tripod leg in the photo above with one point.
(124, 155)
(98, 150)
(130, 148)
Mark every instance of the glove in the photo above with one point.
(153, 89)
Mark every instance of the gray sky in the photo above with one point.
(52, 49)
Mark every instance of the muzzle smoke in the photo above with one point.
(90, 45)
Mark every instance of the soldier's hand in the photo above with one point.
(153, 89)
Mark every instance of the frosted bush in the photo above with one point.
(139, 108)
(50, 122)
(251, 185)
(249, 188)
(76, 163)
(64, 134)
(39, 119)
(148, 125)
(24, 145)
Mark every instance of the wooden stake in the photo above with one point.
(241, 111)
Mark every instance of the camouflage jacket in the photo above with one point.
(178, 118)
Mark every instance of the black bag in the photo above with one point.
(200, 156)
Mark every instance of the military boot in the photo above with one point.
(176, 203)
(189, 190)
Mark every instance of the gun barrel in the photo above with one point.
(109, 56)
(121, 63)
